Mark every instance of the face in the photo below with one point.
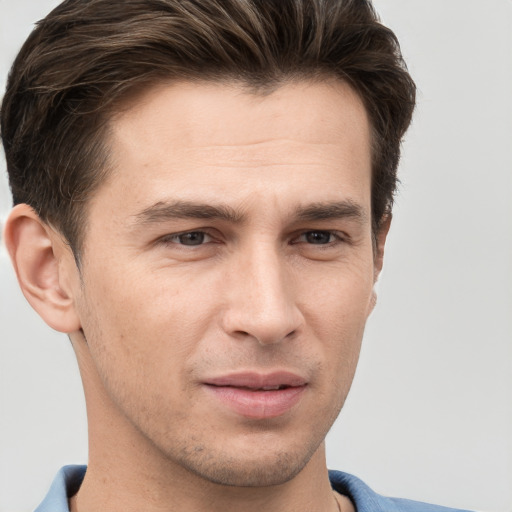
(227, 273)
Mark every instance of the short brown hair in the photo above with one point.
(87, 55)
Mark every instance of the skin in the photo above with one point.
(155, 311)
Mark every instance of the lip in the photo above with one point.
(256, 395)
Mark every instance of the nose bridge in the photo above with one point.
(262, 300)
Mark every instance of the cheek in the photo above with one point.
(339, 298)
(337, 311)
(143, 327)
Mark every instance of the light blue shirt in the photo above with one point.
(69, 478)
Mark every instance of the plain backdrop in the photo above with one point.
(430, 413)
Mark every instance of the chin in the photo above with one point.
(253, 465)
(250, 473)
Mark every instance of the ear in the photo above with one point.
(45, 267)
(380, 242)
(378, 256)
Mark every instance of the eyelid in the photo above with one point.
(172, 238)
(339, 236)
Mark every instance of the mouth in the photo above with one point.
(264, 388)
(255, 395)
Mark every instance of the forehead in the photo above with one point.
(201, 114)
(304, 141)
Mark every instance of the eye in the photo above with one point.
(189, 239)
(318, 237)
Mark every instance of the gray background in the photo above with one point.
(430, 413)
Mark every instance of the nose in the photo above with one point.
(261, 300)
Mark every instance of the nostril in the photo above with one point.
(278, 321)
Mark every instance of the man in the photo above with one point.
(203, 192)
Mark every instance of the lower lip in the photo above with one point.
(257, 404)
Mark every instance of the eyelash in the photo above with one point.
(335, 238)
(174, 238)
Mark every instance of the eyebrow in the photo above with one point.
(332, 210)
(164, 211)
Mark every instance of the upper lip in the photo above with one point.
(256, 380)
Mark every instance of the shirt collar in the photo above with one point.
(65, 485)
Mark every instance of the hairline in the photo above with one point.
(130, 98)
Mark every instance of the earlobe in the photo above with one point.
(378, 257)
(44, 268)
(372, 303)
(380, 242)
